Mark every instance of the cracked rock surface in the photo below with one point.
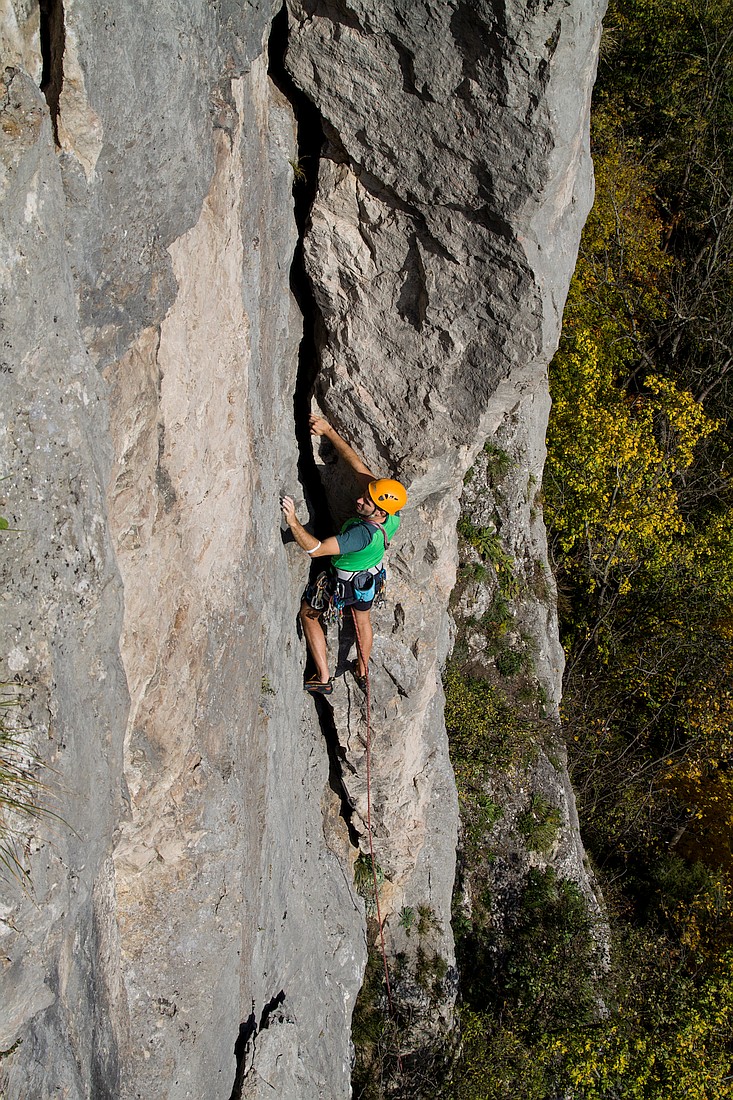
(452, 188)
(193, 928)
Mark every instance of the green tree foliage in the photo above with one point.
(668, 1039)
(526, 988)
(668, 86)
(640, 504)
(638, 494)
(615, 460)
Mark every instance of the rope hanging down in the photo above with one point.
(369, 818)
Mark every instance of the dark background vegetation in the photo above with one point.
(639, 502)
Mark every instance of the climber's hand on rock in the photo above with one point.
(288, 506)
(319, 425)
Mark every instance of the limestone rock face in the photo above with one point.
(450, 202)
(451, 193)
(192, 928)
(150, 344)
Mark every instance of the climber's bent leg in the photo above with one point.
(315, 639)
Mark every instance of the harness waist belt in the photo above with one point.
(347, 574)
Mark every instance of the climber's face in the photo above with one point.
(366, 508)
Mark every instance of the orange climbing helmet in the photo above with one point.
(388, 495)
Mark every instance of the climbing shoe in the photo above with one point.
(318, 687)
(361, 681)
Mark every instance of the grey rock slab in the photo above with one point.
(149, 602)
(61, 615)
(452, 188)
(199, 866)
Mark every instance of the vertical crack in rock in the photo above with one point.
(53, 38)
(310, 140)
(248, 1032)
(336, 763)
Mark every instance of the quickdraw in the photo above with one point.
(323, 595)
(317, 592)
(380, 597)
(334, 613)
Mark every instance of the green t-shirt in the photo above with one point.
(372, 553)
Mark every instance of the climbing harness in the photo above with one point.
(367, 585)
(328, 592)
(369, 818)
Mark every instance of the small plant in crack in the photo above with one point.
(498, 462)
(364, 876)
(539, 824)
(299, 173)
(486, 543)
(510, 662)
(426, 920)
(407, 918)
(20, 786)
(430, 972)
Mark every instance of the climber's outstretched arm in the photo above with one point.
(305, 540)
(320, 426)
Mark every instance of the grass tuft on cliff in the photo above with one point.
(20, 786)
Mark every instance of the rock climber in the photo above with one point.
(356, 574)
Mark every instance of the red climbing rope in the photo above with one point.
(369, 816)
